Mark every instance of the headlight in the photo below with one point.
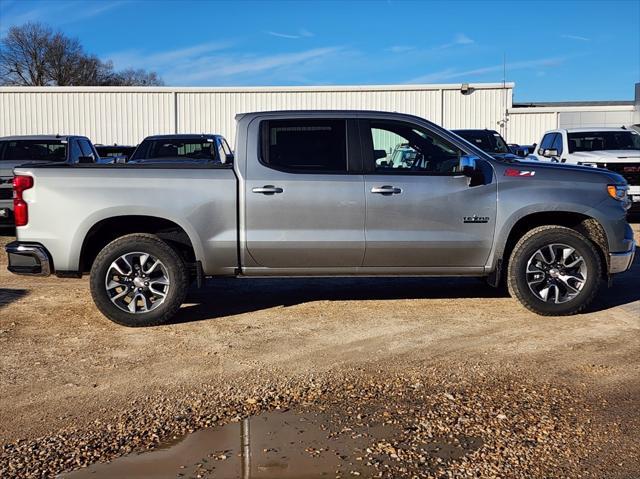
(592, 165)
(618, 192)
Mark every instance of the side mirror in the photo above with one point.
(467, 165)
(228, 159)
(86, 159)
(550, 152)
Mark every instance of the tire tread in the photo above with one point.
(120, 317)
(514, 290)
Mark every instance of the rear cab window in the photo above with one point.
(33, 150)
(304, 145)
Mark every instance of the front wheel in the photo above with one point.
(138, 280)
(554, 270)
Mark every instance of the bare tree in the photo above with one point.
(140, 77)
(65, 60)
(33, 55)
(23, 55)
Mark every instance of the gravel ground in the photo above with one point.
(440, 361)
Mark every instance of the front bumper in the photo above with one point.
(621, 262)
(30, 259)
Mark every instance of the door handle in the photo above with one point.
(268, 190)
(386, 190)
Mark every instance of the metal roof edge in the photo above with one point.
(250, 89)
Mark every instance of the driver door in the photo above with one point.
(419, 208)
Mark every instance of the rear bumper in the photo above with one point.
(621, 262)
(30, 259)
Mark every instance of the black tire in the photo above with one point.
(175, 268)
(538, 238)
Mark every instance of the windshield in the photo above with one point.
(603, 140)
(487, 140)
(33, 150)
(188, 149)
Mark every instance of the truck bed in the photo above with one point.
(70, 200)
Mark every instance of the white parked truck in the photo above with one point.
(616, 149)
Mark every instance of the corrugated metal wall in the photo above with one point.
(105, 117)
(526, 128)
(476, 111)
(126, 115)
(527, 125)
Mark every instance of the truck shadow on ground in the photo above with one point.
(8, 296)
(227, 297)
(624, 290)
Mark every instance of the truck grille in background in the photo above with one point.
(630, 171)
(6, 193)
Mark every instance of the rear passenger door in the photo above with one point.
(304, 200)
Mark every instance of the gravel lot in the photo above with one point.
(439, 361)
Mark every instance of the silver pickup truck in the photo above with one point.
(305, 195)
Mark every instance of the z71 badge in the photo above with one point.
(519, 173)
(475, 219)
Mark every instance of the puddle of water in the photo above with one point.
(272, 445)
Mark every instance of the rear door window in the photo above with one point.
(304, 145)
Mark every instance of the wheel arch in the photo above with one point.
(108, 229)
(587, 225)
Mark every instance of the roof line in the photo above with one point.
(535, 104)
(250, 89)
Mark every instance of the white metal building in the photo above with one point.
(125, 115)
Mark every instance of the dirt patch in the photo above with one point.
(67, 372)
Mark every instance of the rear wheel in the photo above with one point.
(554, 270)
(139, 280)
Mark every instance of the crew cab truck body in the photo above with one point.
(305, 196)
(17, 150)
(616, 149)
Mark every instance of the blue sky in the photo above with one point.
(555, 50)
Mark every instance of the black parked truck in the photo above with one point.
(19, 150)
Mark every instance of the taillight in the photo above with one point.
(20, 208)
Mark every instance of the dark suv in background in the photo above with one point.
(183, 148)
(489, 141)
